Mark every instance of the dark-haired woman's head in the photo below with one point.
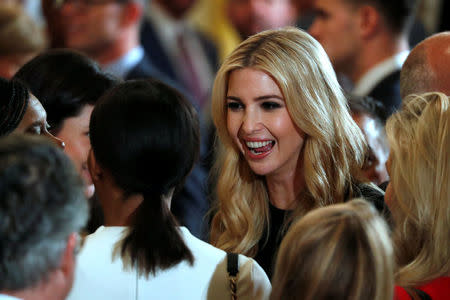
(65, 81)
(21, 112)
(145, 136)
(68, 85)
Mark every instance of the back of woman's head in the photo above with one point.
(64, 81)
(145, 134)
(341, 251)
(14, 98)
(419, 167)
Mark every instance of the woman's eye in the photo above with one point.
(234, 105)
(34, 130)
(270, 105)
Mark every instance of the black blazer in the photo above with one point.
(388, 92)
(158, 55)
(146, 69)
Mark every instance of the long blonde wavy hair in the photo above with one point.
(342, 251)
(419, 137)
(334, 147)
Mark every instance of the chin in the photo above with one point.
(261, 170)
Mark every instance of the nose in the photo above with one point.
(251, 122)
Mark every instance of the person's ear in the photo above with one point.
(94, 168)
(132, 13)
(67, 266)
(369, 20)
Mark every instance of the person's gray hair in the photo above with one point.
(41, 205)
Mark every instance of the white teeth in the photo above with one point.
(257, 144)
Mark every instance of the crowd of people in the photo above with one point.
(135, 163)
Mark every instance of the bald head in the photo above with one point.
(427, 67)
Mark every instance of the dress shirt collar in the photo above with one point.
(375, 75)
(121, 67)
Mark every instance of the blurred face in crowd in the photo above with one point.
(336, 28)
(177, 8)
(75, 133)
(90, 26)
(253, 16)
(375, 166)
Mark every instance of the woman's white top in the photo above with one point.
(100, 276)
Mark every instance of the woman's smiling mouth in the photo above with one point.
(259, 149)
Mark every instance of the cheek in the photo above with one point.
(232, 126)
(282, 126)
(77, 147)
(284, 15)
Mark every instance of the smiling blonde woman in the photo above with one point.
(287, 143)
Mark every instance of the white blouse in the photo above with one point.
(99, 276)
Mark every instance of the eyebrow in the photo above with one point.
(265, 97)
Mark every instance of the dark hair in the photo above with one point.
(368, 106)
(146, 134)
(14, 97)
(42, 203)
(64, 81)
(399, 14)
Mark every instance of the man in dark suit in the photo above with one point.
(367, 41)
(108, 32)
(180, 51)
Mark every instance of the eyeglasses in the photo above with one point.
(60, 3)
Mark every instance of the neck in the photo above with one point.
(372, 54)
(125, 42)
(284, 190)
(56, 287)
(117, 208)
